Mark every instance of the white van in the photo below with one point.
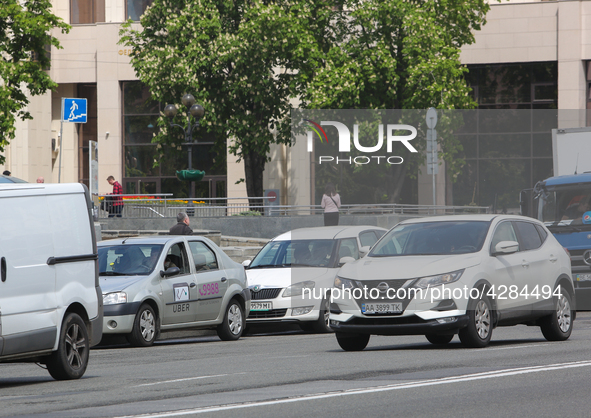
(50, 300)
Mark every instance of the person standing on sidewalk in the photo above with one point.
(182, 226)
(117, 201)
(331, 202)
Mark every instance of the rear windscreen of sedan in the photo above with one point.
(300, 253)
(128, 260)
(433, 238)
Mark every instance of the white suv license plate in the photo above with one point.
(261, 306)
(583, 277)
(381, 308)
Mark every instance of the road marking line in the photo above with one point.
(185, 379)
(516, 347)
(348, 392)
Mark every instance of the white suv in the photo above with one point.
(50, 298)
(450, 275)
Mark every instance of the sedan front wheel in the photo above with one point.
(144, 330)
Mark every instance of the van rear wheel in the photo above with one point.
(70, 359)
(143, 333)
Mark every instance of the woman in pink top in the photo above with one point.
(331, 202)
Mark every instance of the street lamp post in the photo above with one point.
(197, 112)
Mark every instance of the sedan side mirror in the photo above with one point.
(364, 250)
(170, 272)
(344, 260)
(506, 247)
(246, 263)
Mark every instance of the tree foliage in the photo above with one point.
(247, 62)
(24, 36)
(400, 54)
(240, 59)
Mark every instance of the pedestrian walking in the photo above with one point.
(331, 202)
(116, 201)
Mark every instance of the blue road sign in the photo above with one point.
(74, 110)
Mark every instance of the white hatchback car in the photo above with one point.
(289, 277)
(164, 283)
(450, 275)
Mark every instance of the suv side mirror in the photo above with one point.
(364, 250)
(246, 263)
(344, 260)
(506, 247)
(170, 272)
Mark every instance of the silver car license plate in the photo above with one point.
(261, 306)
(381, 308)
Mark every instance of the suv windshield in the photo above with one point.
(128, 260)
(306, 253)
(432, 238)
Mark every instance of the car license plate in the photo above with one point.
(261, 306)
(378, 308)
(583, 277)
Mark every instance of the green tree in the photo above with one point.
(242, 60)
(24, 36)
(400, 54)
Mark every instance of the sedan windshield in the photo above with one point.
(128, 260)
(432, 238)
(304, 253)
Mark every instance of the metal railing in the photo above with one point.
(160, 206)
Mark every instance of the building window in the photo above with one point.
(507, 141)
(87, 11)
(588, 93)
(136, 8)
(141, 176)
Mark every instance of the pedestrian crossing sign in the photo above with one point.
(74, 110)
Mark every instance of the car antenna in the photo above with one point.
(125, 240)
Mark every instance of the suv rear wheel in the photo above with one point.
(559, 324)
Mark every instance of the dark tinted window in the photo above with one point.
(542, 231)
(426, 238)
(529, 235)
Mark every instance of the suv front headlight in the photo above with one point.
(297, 288)
(114, 298)
(440, 279)
(341, 283)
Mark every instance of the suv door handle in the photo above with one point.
(3, 268)
(224, 279)
(553, 259)
(524, 264)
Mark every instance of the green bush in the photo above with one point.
(249, 213)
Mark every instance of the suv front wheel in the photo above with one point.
(480, 323)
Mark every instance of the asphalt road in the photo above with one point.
(292, 374)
